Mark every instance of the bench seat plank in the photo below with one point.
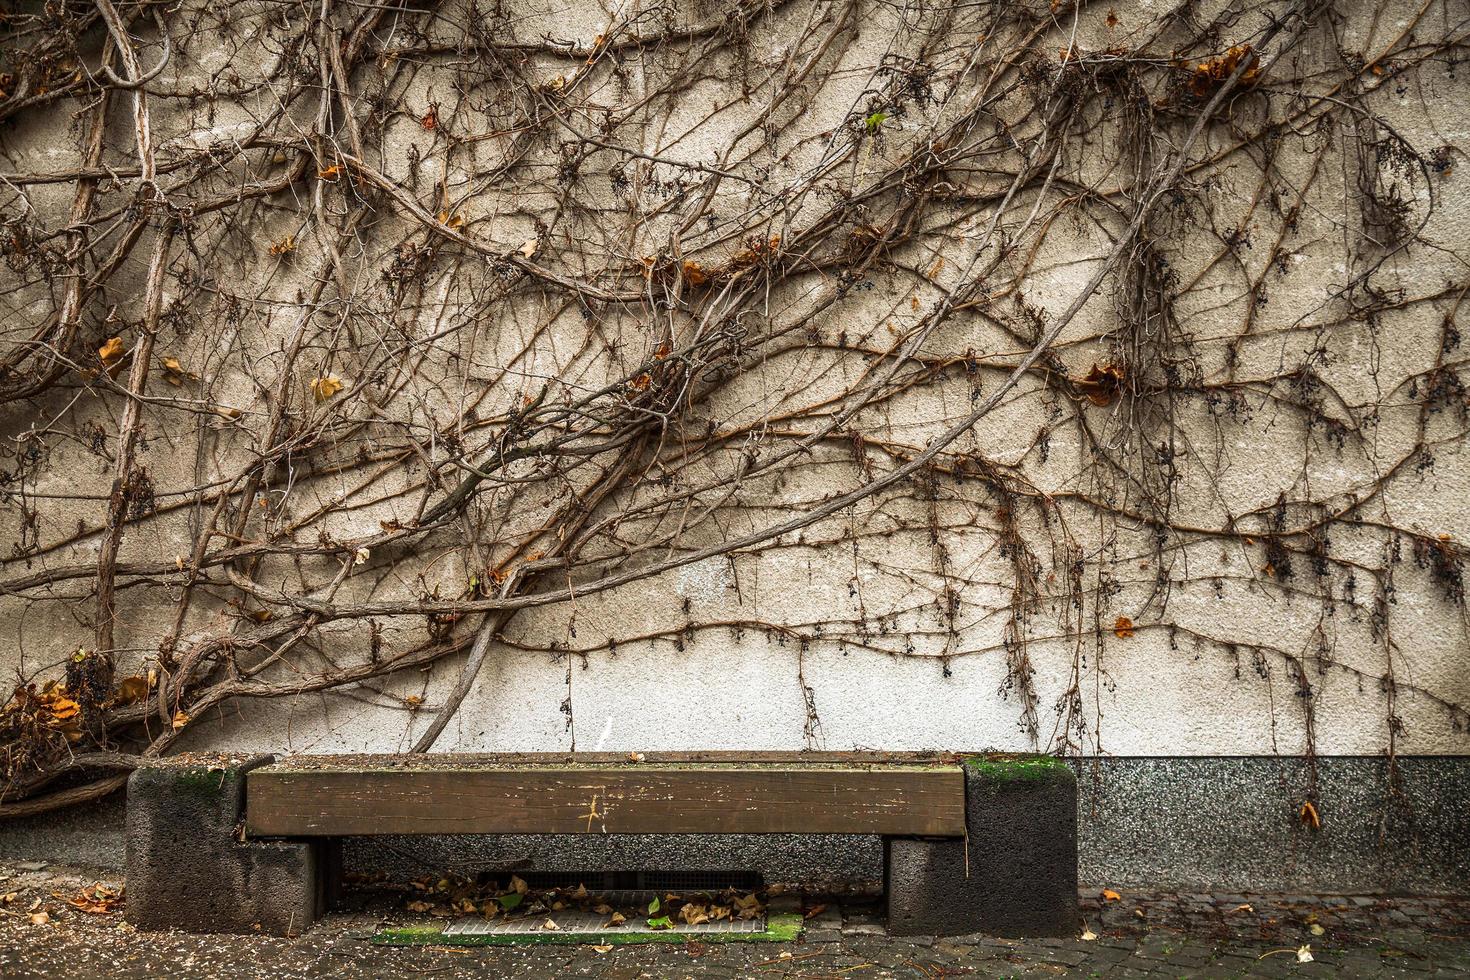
(438, 794)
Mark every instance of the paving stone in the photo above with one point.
(1217, 946)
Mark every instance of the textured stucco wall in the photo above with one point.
(756, 668)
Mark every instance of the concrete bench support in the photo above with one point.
(187, 866)
(1015, 872)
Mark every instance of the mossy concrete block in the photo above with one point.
(187, 867)
(1015, 874)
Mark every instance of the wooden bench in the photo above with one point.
(971, 843)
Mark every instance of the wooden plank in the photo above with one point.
(460, 760)
(290, 800)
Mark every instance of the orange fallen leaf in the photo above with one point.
(1123, 628)
(111, 352)
(98, 900)
(693, 274)
(1211, 74)
(130, 689)
(1309, 815)
(174, 373)
(1110, 896)
(325, 387)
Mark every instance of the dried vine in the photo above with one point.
(349, 346)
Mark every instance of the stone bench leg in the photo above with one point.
(187, 866)
(1020, 878)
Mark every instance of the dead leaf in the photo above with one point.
(1088, 935)
(602, 949)
(100, 899)
(694, 275)
(284, 246)
(1304, 953)
(451, 221)
(331, 173)
(1310, 816)
(1316, 929)
(694, 914)
(550, 925)
(62, 709)
(635, 756)
(130, 689)
(1243, 908)
(1211, 74)
(1101, 384)
(1109, 895)
(40, 918)
(814, 911)
(1123, 628)
(112, 352)
(419, 905)
(616, 919)
(528, 247)
(749, 906)
(181, 719)
(174, 373)
(325, 387)
(431, 119)
(518, 885)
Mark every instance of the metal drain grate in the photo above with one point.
(663, 881)
(699, 881)
(573, 923)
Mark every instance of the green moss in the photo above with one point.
(780, 928)
(1019, 768)
(200, 780)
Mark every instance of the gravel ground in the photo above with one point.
(1138, 934)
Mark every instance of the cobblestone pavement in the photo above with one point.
(1136, 935)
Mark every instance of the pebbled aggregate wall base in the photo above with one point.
(1195, 824)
